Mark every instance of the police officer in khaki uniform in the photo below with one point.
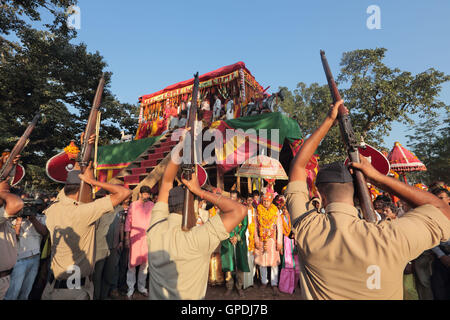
(72, 230)
(10, 205)
(179, 260)
(341, 255)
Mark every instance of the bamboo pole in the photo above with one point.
(220, 182)
(97, 133)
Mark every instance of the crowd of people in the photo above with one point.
(222, 109)
(211, 108)
(111, 247)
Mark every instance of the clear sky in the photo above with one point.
(149, 45)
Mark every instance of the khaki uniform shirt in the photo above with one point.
(8, 243)
(179, 260)
(345, 257)
(72, 231)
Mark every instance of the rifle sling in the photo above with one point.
(156, 223)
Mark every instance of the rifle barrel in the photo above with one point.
(188, 219)
(19, 146)
(85, 193)
(351, 144)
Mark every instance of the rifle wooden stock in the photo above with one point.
(351, 144)
(188, 219)
(85, 194)
(20, 145)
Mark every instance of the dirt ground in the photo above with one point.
(252, 293)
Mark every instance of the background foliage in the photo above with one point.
(376, 96)
(42, 70)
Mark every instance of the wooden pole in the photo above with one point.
(220, 183)
(97, 133)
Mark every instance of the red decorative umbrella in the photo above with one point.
(403, 160)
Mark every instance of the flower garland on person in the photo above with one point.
(286, 219)
(421, 186)
(374, 192)
(266, 219)
(212, 212)
(286, 224)
(251, 232)
(4, 158)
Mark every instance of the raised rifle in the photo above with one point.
(85, 155)
(9, 166)
(188, 220)
(348, 136)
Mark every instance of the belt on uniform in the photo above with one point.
(445, 248)
(62, 284)
(5, 273)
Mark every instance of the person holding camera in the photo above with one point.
(30, 229)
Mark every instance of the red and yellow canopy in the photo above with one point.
(234, 82)
(403, 160)
(217, 77)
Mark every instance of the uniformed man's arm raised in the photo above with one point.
(297, 197)
(118, 193)
(171, 169)
(415, 197)
(13, 204)
(298, 165)
(232, 212)
(167, 181)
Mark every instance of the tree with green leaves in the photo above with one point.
(431, 144)
(375, 94)
(43, 71)
(308, 105)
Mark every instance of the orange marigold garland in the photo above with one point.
(421, 186)
(212, 212)
(286, 225)
(266, 220)
(3, 158)
(251, 233)
(251, 237)
(374, 192)
(72, 150)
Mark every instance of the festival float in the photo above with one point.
(234, 82)
(142, 161)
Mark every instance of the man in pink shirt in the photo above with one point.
(136, 225)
